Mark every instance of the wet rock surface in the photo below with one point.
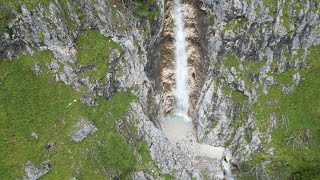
(193, 29)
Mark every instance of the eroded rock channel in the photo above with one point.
(181, 75)
(194, 56)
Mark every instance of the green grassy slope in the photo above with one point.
(297, 137)
(42, 105)
(39, 104)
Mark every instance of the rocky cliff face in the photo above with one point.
(253, 69)
(258, 51)
(99, 48)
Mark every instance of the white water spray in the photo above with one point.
(181, 92)
(178, 126)
(227, 168)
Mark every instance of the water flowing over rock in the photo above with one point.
(181, 63)
(193, 69)
(242, 71)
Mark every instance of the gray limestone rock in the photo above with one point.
(32, 172)
(296, 79)
(49, 145)
(261, 38)
(33, 134)
(84, 129)
(37, 69)
(141, 176)
(170, 157)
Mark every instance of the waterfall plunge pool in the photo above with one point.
(178, 128)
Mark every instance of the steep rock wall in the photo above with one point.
(257, 52)
(48, 27)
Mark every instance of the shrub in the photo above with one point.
(116, 155)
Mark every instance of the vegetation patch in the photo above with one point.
(237, 23)
(230, 60)
(286, 18)
(253, 66)
(5, 17)
(297, 144)
(145, 8)
(297, 137)
(117, 156)
(238, 97)
(29, 4)
(94, 51)
(272, 5)
(249, 67)
(285, 78)
(266, 105)
(17, 3)
(40, 105)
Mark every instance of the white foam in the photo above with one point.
(181, 62)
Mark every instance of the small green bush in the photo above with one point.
(145, 9)
(116, 155)
(94, 49)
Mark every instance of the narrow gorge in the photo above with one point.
(159, 89)
(178, 126)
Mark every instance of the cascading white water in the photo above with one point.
(227, 168)
(178, 126)
(181, 68)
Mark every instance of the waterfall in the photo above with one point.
(181, 66)
(227, 168)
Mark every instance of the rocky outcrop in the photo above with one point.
(172, 159)
(249, 45)
(32, 172)
(84, 129)
(48, 28)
